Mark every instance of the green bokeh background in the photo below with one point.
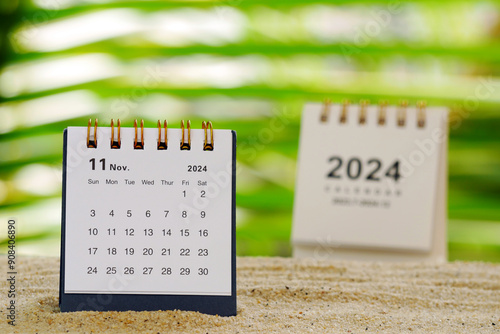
(244, 64)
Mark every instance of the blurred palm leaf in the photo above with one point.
(243, 64)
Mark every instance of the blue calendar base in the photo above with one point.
(216, 305)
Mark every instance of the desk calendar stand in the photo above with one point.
(148, 219)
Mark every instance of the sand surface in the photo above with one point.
(289, 295)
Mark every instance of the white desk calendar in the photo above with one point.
(371, 183)
(148, 219)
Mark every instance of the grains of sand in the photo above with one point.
(289, 295)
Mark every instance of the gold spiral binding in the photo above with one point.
(326, 110)
(162, 145)
(421, 105)
(206, 145)
(401, 116)
(362, 111)
(382, 112)
(139, 145)
(92, 143)
(184, 145)
(343, 115)
(401, 113)
(115, 143)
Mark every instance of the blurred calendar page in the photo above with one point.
(368, 185)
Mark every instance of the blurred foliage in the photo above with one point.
(245, 64)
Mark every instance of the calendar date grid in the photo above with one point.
(143, 241)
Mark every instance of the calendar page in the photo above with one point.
(149, 221)
(368, 178)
